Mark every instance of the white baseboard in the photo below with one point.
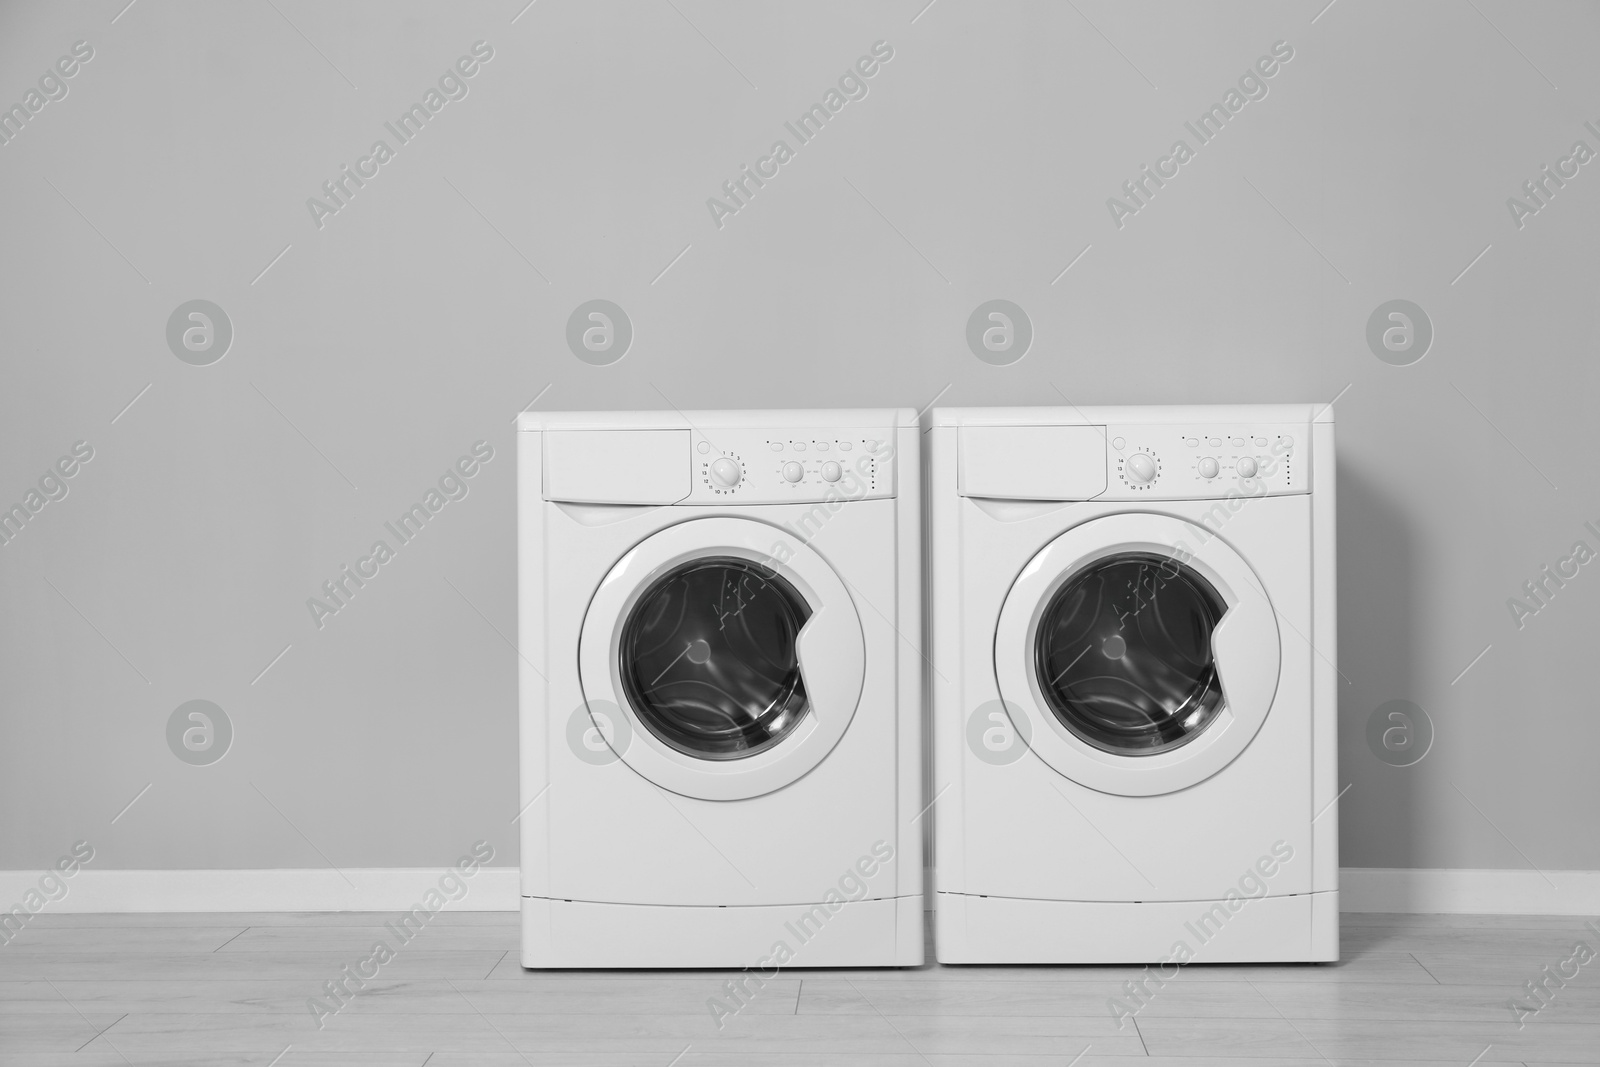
(1475, 892)
(1362, 889)
(355, 889)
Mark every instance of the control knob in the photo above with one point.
(793, 472)
(1247, 467)
(831, 471)
(1209, 467)
(1141, 468)
(726, 473)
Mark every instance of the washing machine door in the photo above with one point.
(1145, 651)
(732, 650)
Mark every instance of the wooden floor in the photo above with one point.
(218, 990)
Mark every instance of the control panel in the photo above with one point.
(779, 466)
(1204, 461)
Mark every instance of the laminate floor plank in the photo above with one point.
(1414, 1039)
(1545, 1042)
(627, 996)
(102, 1056)
(62, 940)
(246, 996)
(988, 1036)
(746, 1033)
(507, 921)
(51, 1033)
(1467, 967)
(1049, 998)
(695, 1057)
(360, 938)
(1443, 1003)
(117, 963)
(345, 1032)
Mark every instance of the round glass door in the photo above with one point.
(1123, 653)
(708, 658)
(1150, 665)
(734, 651)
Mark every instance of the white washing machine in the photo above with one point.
(1135, 695)
(720, 689)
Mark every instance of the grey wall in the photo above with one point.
(418, 319)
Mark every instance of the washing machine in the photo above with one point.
(1134, 686)
(719, 633)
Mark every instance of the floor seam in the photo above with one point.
(1139, 1034)
(496, 967)
(798, 993)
